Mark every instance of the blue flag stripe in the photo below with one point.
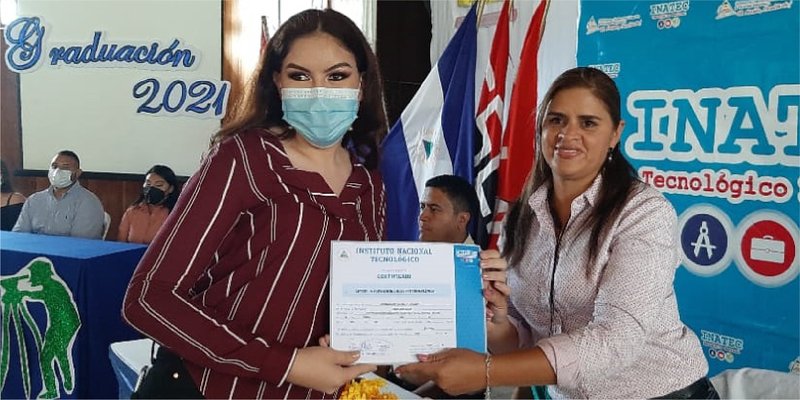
(402, 199)
(457, 74)
(450, 101)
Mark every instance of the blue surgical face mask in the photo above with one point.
(321, 115)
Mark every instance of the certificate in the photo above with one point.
(394, 300)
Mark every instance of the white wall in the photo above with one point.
(90, 109)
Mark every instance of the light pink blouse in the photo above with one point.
(616, 328)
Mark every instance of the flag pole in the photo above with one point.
(479, 12)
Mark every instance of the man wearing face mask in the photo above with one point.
(65, 208)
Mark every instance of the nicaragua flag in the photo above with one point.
(435, 133)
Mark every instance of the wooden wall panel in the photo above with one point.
(231, 67)
(10, 145)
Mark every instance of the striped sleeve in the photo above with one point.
(381, 205)
(159, 297)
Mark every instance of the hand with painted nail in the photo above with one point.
(325, 369)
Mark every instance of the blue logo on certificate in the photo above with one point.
(466, 255)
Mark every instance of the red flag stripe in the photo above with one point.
(489, 120)
(519, 132)
(493, 90)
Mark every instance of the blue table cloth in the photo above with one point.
(61, 300)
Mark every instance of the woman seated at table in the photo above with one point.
(11, 201)
(144, 217)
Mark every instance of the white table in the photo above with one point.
(127, 359)
(754, 383)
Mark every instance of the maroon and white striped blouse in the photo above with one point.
(237, 278)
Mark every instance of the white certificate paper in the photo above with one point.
(394, 300)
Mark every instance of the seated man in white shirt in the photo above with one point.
(447, 205)
(65, 208)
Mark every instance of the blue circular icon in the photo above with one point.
(706, 232)
(704, 240)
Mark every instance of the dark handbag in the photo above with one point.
(167, 378)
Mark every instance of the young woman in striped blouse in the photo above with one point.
(236, 282)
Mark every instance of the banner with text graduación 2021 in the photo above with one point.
(710, 95)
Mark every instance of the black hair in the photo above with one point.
(70, 154)
(261, 106)
(6, 186)
(169, 176)
(459, 191)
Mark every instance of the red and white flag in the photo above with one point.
(520, 127)
(490, 123)
(499, 180)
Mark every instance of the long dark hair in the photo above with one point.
(5, 187)
(619, 175)
(261, 106)
(169, 176)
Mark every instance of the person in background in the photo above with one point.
(144, 217)
(65, 208)
(589, 308)
(445, 211)
(235, 286)
(447, 206)
(11, 201)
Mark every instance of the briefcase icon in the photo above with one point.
(767, 249)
